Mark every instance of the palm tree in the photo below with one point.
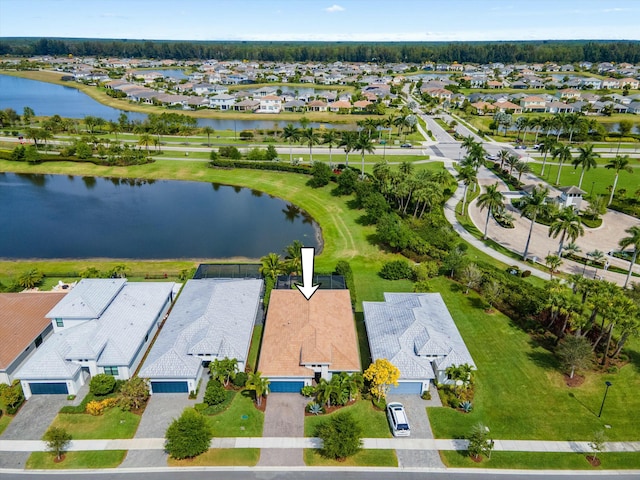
(208, 131)
(512, 160)
(587, 159)
(568, 225)
(467, 175)
(364, 145)
(115, 128)
(534, 204)
(632, 240)
(291, 134)
(621, 162)
(553, 262)
(521, 167)
(493, 200)
(145, 140)
(548, 144)
(468, 143)
(259, 385)
(294, 256)
(330, 137)
(563, 153)
(348, 141)
(271, 266)
(311, 138)
(503, 155)
(572, 249)
(572, 121)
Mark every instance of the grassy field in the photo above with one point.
(114, 423)
(73, 460)
(364, 458)
(520, 392)
(220, 457)
(241, 419)
(539, 461)
(373, 422)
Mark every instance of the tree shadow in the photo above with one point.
(477, 302)
(581, 403)
(455, 287)
(544, 359)
(634, 358)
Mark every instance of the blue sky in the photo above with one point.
(358, 20)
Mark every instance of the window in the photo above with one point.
(38, 341)
(59, 322)
(111, 371)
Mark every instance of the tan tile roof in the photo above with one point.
(22, 319)
(321, 330)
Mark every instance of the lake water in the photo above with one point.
(57, 216)
(47, 99)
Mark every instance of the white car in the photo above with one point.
(398, 420)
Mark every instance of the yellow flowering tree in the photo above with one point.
(382, 374)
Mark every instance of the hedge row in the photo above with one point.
(275, 166)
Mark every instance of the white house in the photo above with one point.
(101, 326)
(416, 333)
(223, 101)
(270, 104)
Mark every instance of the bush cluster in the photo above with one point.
(97, 408)
(343, 268)
(102, 384)
(396, 270)
(214, 393)
(275, 166)
(240, 380)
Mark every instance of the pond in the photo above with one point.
(57, 216)
(47, 99)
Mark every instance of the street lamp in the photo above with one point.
(593, 184)
(608, 384)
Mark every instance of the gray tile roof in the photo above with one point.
(111, 340)
(212, 317)
(412, 330)
(88, 299)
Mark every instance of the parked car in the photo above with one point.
(406, 145)
(521, 147)
(492, 157)
(398, 420)
(537, 146)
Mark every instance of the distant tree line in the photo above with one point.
(382, 52)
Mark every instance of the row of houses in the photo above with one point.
(55, 342)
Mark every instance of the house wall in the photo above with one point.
(192, 383)
(73, 384)
(6, 376)
(68, 323)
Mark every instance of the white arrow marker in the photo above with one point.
(307, 288)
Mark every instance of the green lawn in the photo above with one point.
(373, 422)
(114, 423)
(254, 350)
(364, 458)
(221, 457)
(85, 459)
(520, 393)
(5, 420)
(540, 461)
(241, 419)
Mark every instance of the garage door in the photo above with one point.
(285, 387)
(169, 387)
(49, 388)
(407, 388)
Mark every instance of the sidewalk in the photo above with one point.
(309, 442)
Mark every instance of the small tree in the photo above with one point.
(133, 394)
(57, 440)
(259, 385)
(382, 374)
(575, 353)
(224, 370)
(30, 279)
(215, 393)
(553, 262)
(102, 384)
(188, 436)
(492, 292)
(470, 276)
(322, 175)
(341, 436)
(598, 444)
(479, 441)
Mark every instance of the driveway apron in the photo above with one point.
(284, 417)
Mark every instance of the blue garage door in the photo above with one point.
(170, 387)
(285, 387)
(48, 388)
(407, 388)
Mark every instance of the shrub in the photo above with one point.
(133, 394)
(425, 271)
(229, 152)
(466, 406)
(213, 155)
(526, 273)
(315, 408)
(426, 395)
(200, 407)
(322, 175)
(12, 397)
(246, 135)
(275, 166)
(341, 436)
(102, 384)
(96, 407)
(215, 393)
(396, 270)
(188, 436)
(344, 268)
(240, 380)
(379, 403)
(256, 154)
(308, 391)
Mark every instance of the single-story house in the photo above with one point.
(212, 319)
(508, 106)
(306, 340)
(417, 334)
(483, 107)
(100, 326)
(23, 327)
(571, 197)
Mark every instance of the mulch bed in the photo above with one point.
(595, 462)
(331, 409)
(477, 459)
(263, 405)
(63, 456)
(576, 381)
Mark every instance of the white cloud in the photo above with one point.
(334, 8)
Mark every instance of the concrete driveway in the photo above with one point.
(416, 410)
(284, 417)
(31, 423)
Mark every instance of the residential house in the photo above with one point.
(317, 106)
(509, 107)
(483, 108)
(569, 93)
(100, 326)
(533, 104)
(559, 107)
(294, 106)
(571, 197)
(633, 83)
(23, 327)
(307, 340)
(610, 83)
(361, 104)
(247, 105)
(340, 105)
(212, 319)
(634, 107)
(416, 333)
(270, 104)
(222, 101)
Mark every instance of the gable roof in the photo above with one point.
(316, 331)
(88, 299)
(412, 330)
(22, 319)
(212, 317)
